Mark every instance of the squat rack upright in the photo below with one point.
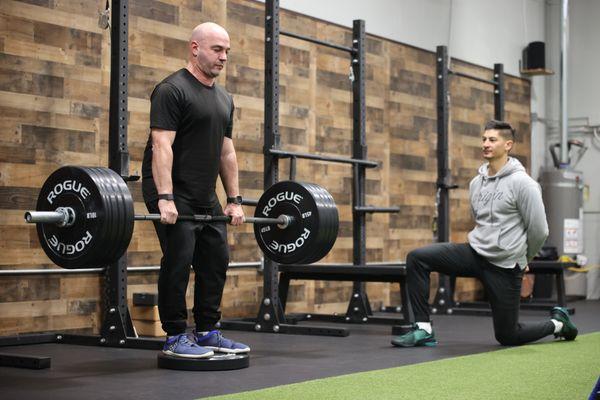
(271, 315)
(116, 329)
(444, 298)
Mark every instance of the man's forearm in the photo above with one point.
(536, 241)
(228, 170)
(532, 211)
(162, 164)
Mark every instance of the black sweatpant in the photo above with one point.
(204, 246)
(502, 286)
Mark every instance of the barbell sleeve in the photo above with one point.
(44, 217)
(62, 216)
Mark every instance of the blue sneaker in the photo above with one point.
(214, 340)
(183, 345)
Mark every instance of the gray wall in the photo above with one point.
(479, 31)
(482, 32)
(583, 100)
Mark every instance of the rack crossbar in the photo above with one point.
(474, 78)
(343, 160)
(149, 268)
(317, 41)
(372, 209)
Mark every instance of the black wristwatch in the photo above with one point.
(234, 200)
(166, 196)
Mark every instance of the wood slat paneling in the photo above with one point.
(54, 85)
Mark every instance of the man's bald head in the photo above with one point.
(208, 30)
(209, 45)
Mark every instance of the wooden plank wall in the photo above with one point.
(54, 77)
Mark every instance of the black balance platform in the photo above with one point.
(218, 362)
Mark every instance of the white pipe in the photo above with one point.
(564, 58)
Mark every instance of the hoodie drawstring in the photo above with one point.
(492, 202)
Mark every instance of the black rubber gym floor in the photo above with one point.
(107, 373)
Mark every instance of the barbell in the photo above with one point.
(85, 218)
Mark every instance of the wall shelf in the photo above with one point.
(536, 71)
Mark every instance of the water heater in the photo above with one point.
(562, 191)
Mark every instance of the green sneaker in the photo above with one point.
(416, 337)
(569, 330)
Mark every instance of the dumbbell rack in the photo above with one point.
(117, 328)
(271, 315)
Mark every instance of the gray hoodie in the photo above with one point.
(510, 220)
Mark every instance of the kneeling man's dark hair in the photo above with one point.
(506, 130)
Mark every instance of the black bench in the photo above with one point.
(394, 272)
(557, 269)
(536, 267)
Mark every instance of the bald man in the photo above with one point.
(190, 144)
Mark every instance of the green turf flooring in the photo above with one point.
(561, 371)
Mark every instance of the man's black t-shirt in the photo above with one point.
(201, 116)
